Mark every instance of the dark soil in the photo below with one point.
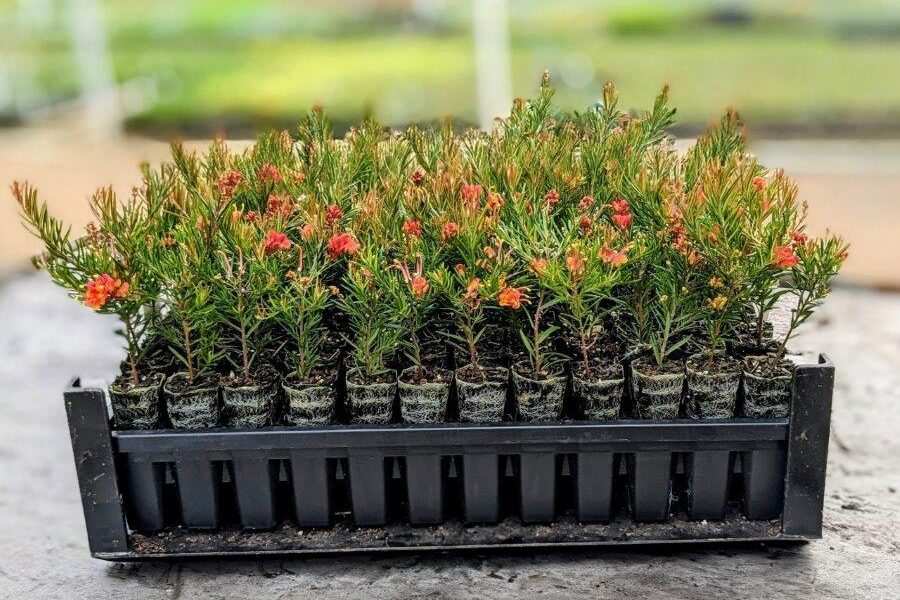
(602, 369)
(359, 378)
(713, 363)
(668, 367)
(767, 366)
(323, 376)
(472, 374)
(178, 383)
(426, 375)
(523, 368)
(123, 381)
(261, 376)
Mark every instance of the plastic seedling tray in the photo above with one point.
(296, 490)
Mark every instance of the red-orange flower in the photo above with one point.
(799, 238)
(622, 220)
(417, 177)
(279, 205)
(471, 194)
(784, 257)
(612, 257)
(759, 182)
(449, 231)
(586, 203)
(251, 216)
(511, 297)
(585, 223)
(276, 241)
(269, 172)
(413, 228)
(340, 244)
(551, 199)
(419, 286)
(103, 287)
(229, 182)
(333, 214)
(619, 206)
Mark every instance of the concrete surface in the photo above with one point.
(45, 338)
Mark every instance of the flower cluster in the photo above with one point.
(581, 233)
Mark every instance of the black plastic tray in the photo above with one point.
(287, 490)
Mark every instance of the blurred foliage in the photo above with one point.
(199, 66)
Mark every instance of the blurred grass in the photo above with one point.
(205, 65)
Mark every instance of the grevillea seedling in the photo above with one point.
(308, 278)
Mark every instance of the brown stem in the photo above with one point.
(132, 361)
(584, 356)
(536, 333)
(188, 352)
(245, 353)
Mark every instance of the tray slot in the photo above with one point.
(708, 478)
(424, 488)
(537, 486)
(481, 498)
(650, 485)
(764, 483)
(311, 485)
(367, 489)
(254, 479)
(144, 497)
(198, 490)
(594, 481)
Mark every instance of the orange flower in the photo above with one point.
(551, 199)
(236, 216)
(586, 203)
(103, 287)
(471, 193)
(693, 257)
(229, 182)
(575, 262)
(759, 183)
(307, 232)
(472, 289)
(460, 269)
(784, 257)
(799, 238)
(539, 266)
(417, 177)
(412, 228)
(718, 303)
(276, 241)
(494, 202)
(333, 214)
(613, 257)
(511, 297)
(251, 216)
(269, 172)
(713, 235)
(419, 286)
(585, 223)
(340, 244)
(449, 231)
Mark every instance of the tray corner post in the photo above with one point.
(807, 456)
(95, 467)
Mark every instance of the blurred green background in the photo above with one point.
(196, 67)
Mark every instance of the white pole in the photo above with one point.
(493, 77)
(102, 107)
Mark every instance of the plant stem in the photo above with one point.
(188, 352)
(536, 333)
(245, 352)
(132, 343)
